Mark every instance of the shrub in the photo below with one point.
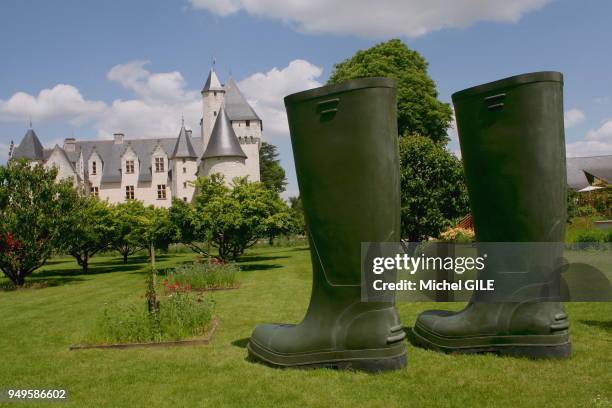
(201, 276)
(590, 239)
(585, 211)
(180, 316)
(590, 236)
(458, 235)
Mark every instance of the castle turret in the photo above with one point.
(30, 148)
(223, 153)
(213, 96)
(184, 166)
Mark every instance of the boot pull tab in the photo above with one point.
(495, 101)
(327, 109)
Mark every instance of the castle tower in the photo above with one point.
(213, 96)
(184, 166)
(29, 148)
(223, 153)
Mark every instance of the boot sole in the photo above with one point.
(368, 360)
(531, 346)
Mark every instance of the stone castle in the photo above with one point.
(157, 170)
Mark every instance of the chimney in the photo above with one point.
(69, 144)
(118, 138)
(188, 131)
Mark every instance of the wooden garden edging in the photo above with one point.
(205, 340)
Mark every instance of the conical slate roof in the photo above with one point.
(212, 82)
(29, 148)
(183, 147)
(223, 140)
(236, 105)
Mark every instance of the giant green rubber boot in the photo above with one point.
(512, 143)
(344, 140)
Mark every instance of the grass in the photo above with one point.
(203, 276)
(38, 325)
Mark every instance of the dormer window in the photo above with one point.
(159, 165)
(129, 166)
(94, 168)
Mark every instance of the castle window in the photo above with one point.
(161, 191)
(215, 93)
(129, 166)
(159, 164)
(129, 192)
(184, 169)
(185, 199)
(248, 123)
(214, 113)
(94, 168)
(183, 160)
(95, 191)
(184, 184)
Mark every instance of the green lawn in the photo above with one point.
(38, 325)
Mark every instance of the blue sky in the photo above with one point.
(91, 68)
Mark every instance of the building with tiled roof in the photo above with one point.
(156, 170)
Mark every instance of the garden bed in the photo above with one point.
(210, 332)
(201, 277)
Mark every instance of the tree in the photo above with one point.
(298, 221)
(433, 189)
(418, 109)
(128, 218)
(34, 217)
(233, 219)
(272, 173)
(189, 225)
(92, 229)
(157, 232)
(139, 227)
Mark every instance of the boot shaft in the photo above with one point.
(344, 140)
(513, 149)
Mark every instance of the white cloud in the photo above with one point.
(377, 19)
(265, 92)
(603, 133)
(573, 117)
(61, 101)
(588, 148)
(597, 142)
(164, 86)
(160, 99)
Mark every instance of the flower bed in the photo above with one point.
(201, 277)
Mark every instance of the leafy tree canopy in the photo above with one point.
(34, 217)
(234, 218)
(418, 109)
(127, 218)
(92, 229)
(433, 189)
(272, 174)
